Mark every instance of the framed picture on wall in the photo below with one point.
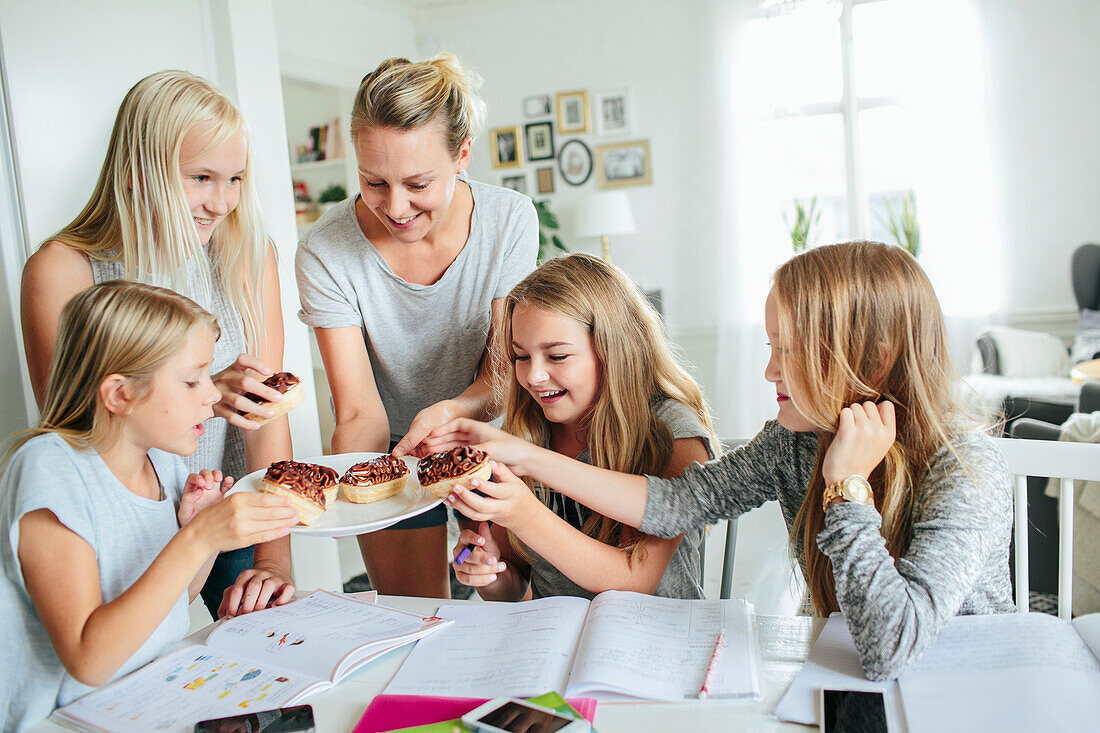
(517, 182)
(545, 181)
(574, 162)
(540, 140)
(612, 111)
(505, 146)
(537, 106)
(573, 112)
(623, 164)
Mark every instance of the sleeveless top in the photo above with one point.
(221, 447)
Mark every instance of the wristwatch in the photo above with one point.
(854, 489)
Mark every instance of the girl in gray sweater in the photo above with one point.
(899, 508)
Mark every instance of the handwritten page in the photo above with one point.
(833, 664)
(193, 684)
(515, 649)
(1004, 672)
(314, 634)
(660, 648)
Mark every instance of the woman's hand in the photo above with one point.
(507, 500)
(243, 519)
(864, 434)
(201, 490)
(423, 424)
(255, 589)
(501, 446)
(483, 564)
(242, 377)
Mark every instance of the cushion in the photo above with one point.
(1086, 344)
(1026, 354)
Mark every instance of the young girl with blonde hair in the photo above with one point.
(403, 282)
(591, 377)
(899, 507)
(175, 206)
(108, 537)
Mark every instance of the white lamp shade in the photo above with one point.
(604, 214)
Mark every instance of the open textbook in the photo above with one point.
(1010, 672)
(620, 645)
(263, 660)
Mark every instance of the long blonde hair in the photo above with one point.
(405, 95)
(138, 212)
(639, 370)
(115, 327)
(861, 322)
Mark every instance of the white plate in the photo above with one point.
(345, 518)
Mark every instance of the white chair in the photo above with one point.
(1048, 459)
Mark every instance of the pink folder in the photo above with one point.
(387, 712)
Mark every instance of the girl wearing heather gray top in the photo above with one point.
(401, 285)
(591, 376)
(899, 509)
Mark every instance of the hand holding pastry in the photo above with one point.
(239, 380)
(506, 500)
(242, 519)
(201, 490)
(309, 487)
(865, 432)
(501, 446)
(480, 568)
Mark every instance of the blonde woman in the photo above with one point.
(590, 377)
(108, 539)
(402, 284)
(899, 508)
(175, 206)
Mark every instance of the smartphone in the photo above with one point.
(297, 719)
(849, 711)
(508, 715)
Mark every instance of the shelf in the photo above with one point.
(317, 164)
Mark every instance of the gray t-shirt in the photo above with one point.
(424, 341)
(126, 532)
(956, 563)
(682, 576)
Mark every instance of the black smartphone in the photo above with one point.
(848, 711)
(298, 719)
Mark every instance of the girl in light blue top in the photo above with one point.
(109, 538)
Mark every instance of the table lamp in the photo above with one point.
(603, 214)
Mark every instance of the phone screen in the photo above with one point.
(284, 720)
(518, 718)
(846, 711)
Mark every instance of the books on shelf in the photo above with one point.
(263, 660)
(1007, 671)
(621, 645)
(323, 143)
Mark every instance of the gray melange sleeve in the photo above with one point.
(956, 561)
(739, 481)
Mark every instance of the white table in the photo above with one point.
(784, 644)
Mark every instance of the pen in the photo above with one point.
(464, 554)
(704, 691)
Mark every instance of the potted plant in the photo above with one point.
(331, 196)
(548, 225)
(805, 219)
(903, 223)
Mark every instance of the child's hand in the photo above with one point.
(501, 446)
(507, 500)
(243, 519)
(201, 490)
(864, 433)
(483, 564)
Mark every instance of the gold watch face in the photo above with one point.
(856, 489)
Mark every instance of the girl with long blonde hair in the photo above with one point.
(175, 205)
(898, 505)
(590, 376)
(108, 537)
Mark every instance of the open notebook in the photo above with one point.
(620, 645)
(1001, 672)
(263, 660)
